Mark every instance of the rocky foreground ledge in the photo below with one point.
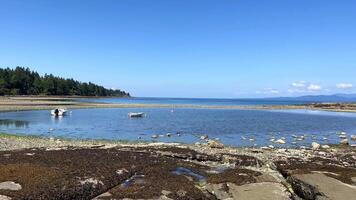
(40, 168)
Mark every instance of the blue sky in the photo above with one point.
(187, 48)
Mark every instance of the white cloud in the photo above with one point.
(303, 87)
(314, 87)
(344, 85)
(299, 84)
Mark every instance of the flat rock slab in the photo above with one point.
(259, 191)
(327, 187)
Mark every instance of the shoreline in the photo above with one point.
(25, 103)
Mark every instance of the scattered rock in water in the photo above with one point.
(204, 137)
(342, 136)
(169, 134)
(353, 137)
(10, 185)
(315, 146)
(344, 141)
(280, 141)
(154, 136)
(215, 144)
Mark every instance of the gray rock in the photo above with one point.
(10, 185)
(325, 187)
(353, 137)
(3, 197)
(259, 191)
(215, 144)
(315, 146)
(220, 191)
(344, 141)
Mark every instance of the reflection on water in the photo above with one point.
(16, 123)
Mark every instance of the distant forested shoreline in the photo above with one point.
(23, 81)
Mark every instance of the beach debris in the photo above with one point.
(243, 137)
(204, 137)
(215, 144)
(325, 138)
(251, 139)
(51, 139)
(10, 185)
(154, 136)
(325, 146)
(353, 137)
(315, 146)
(280, 141)
(271, 146)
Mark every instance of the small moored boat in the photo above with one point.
(136, 114)
(58, 112)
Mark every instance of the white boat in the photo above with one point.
(58, 112)
(137, 114)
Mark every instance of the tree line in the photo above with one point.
(23, 81)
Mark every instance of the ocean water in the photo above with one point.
(186, 125)
(193, 101)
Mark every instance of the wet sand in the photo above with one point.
(53, 168)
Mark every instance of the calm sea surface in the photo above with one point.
(229, 125)
(193, 101)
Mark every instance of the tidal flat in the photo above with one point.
(55, 168)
